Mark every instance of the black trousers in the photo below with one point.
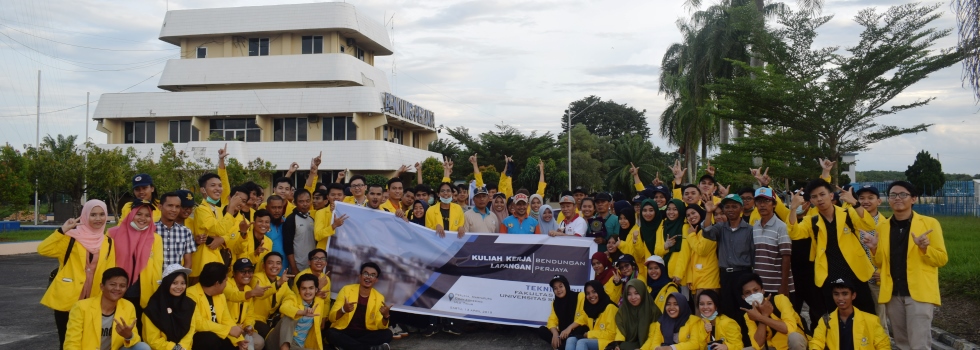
(731, 292)
(61, 321)
(349, 339)
(211, 341)
(545, 334)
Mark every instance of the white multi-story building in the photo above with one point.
(279, 83)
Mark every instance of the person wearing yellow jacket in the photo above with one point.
(676, 329)
(847, 327)
(109, 318)
(241, 300)
(598, 314)
(318, 268)
(635, 317)
(325, 223)
(84, 253)
(670, 244)
(255, 244)
(703, 265)
(283, 186)
(362, 318)
(358, 190)
(275, 293)
(143, 190)
(214, 328)
(209, 220)
(302, 320)
(626, 270)
(722, 332)
(771, 320)
(169, 315)
(446, 216)
(910, 249)
(659, 284)
(139, 251)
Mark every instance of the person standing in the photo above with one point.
(84, 253)
(178, 241)
(869, 198)
(773, 248)
(325, 222)
(480, 218)
(298, 238)
(276, 206)
(143, 190)
(211, 224)
(254, 244)
(118, 318)
(446, 215)
(520, 222)
(910, 250)
(139, 252)
(735, 249)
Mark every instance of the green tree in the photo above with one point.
(16, 189)
(59, 167)
(926, 173)
(838, 98)
(880, 175)
(555, 176)
(491, 147)
(373, 179)
(607, 118)
(638, 151)
(432, 172)
(968, 21)
(256, 170)
(588, 169)
(108, 172)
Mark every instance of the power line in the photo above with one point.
(76, 33)
(90, 69)
(73, 107)
(82, 46)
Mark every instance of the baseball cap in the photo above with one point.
(732, 197)
(626, 258)
(481, 190)
(578, 189)
(142, 180)
(707, 177)
(243, 264)
(520, 197)
(764, 192)
(655, 258)
(843, 282)
(186, 198)
(174, 268)
(563, 199)
(603, 196)
(867, 188)
(639, 199)
(661, 189)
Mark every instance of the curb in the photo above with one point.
(29, 247)
(952, 341)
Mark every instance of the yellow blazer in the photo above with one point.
(704, 261)
(728, 331)
(263, 305)
(202, 314)
(323, 288)
(433, 217)
(85, 325)
(323, 226)
(867, 333)
(690, 337)
(66, 288)
(372, 317)
(246, 249)
(294, 304)
(157, 340)
(923, 268)
(602, 328)
(239, 308)
(848, 240)
(788, 316)
(679, 262)
(128, 207)
(553, 318)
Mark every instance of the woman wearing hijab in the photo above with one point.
(659, 285)
(645, 241)
(602, 267)
(536, 201)
(676, 329)
(634, 318)
(418, 212)
(670, 242)
(90, 255)
(598, 314)
(547, 221)
(499, 206)
(703, 265)
(561, 324)
(139, 251)
(720, 329)
(169, 312)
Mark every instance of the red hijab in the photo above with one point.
(131, 243)
(607, 271)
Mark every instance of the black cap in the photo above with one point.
(843, 282)
(186, 198)
(578, 189)
(639, 199)
(867, 188)
(603, 196)
(243, 264)
(626, 258)
(707, 177)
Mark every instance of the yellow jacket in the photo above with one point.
(294, 304)
(240, 309)
(323, 288)
(433, 217)
(613, 290)
(202, 314)
(151, 276)
(388, 207)
(373, 320)
(323, 226)
(866, 332)
(85, 325)
(352, 200)
(728, 331)
(788, 316)
(661, 298)
(679, 262)
(157, 340)
(923, 268)
(66, 288)
(602, 328)
(246, 249)
(263, 305)
(703, 265)
(848, 240)
(638, 250)
(553, 318)
(214, 222)
(129, 207)
(690, 337)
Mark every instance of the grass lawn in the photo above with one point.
(24, 235)
(961, 275)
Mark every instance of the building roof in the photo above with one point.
(341, 69)
(343, 17)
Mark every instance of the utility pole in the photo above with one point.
(85, 174)
(37, 143)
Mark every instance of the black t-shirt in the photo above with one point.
(445, 218)
(899, 250)
(214, 316)
(358, 320)
(837, 267)
(846, 333)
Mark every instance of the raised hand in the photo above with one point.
(723, 191)
(678, 171)
(293, 167)
(766, 307)
(70, 224)
(847, 196)
(123, 329)
(418, 166)
(223, 153)
(541, 165)
(826, 164)
(709, 205)
(386, 310)
(760, 176)
(260, 250)
(710, 170)
(402, 169)
(633, 169)
(869, 240)
(341, 176)
(316, 161)
(657, 181)
(797, 200)
(921, 240)
(339, 221)
(473, 159)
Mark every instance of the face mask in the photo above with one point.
(710, 318)
(212, 201)
(446, 200)
(799, 211)
(432, 201)
(133, 225)
(754, 298)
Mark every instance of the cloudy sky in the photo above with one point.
(474, 63)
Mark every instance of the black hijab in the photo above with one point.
(630, 214)
(565, 307)
(172, 315)
(657, 284)
(670, 326)
(425, 207)
(594, 310)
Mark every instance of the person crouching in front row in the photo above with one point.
(115, 315)
(299, 327)
(360, 321)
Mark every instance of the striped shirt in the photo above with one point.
(177, 241)
(771, 244)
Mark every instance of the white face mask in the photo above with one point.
(135, 226)
(446, 200)
(799, 211)
(754, 298)
(710, 317)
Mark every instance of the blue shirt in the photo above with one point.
(303, 325)
(275, 234)
(514, 225)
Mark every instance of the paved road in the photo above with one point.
(26, 324)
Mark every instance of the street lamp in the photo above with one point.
(569, 136)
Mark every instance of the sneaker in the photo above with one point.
(384, 346)
(430, 330)
(395, 332)
(452, 328)
(408, 328)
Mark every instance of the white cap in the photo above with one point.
(172, 268)
(655, 258)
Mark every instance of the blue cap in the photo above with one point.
(732, 197)
(764, 192)
(142, 180)
(867, 188)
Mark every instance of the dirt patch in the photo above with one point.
(958, 316)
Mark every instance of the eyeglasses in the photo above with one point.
(369, 275)
(358, 185)
(318, 259)
(903, 195)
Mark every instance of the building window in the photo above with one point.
(181, 131)
(360, 54)
(393, 135)
(202, 52)
(141, 132)
(258, 46)
(289, 129)
(416, 140)
(236, 129)
(339, 129)
(312, 44)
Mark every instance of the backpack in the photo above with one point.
(54, 273)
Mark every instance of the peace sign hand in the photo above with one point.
(921, 240)
(223, 153)
(348, 306)
(386, 310)
(123, 329)
(339, 221)
(70, 224)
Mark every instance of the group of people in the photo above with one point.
(242, 270)
(746, 264)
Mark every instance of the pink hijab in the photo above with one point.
(89, 236)
(131, 242)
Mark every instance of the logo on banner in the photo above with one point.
(452, 296)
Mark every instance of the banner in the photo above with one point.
(480, 277)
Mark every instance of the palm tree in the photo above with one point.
(635, 150)
(968, 22)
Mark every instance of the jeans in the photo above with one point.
(570, 343)
(587, 344)
(138, 346)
